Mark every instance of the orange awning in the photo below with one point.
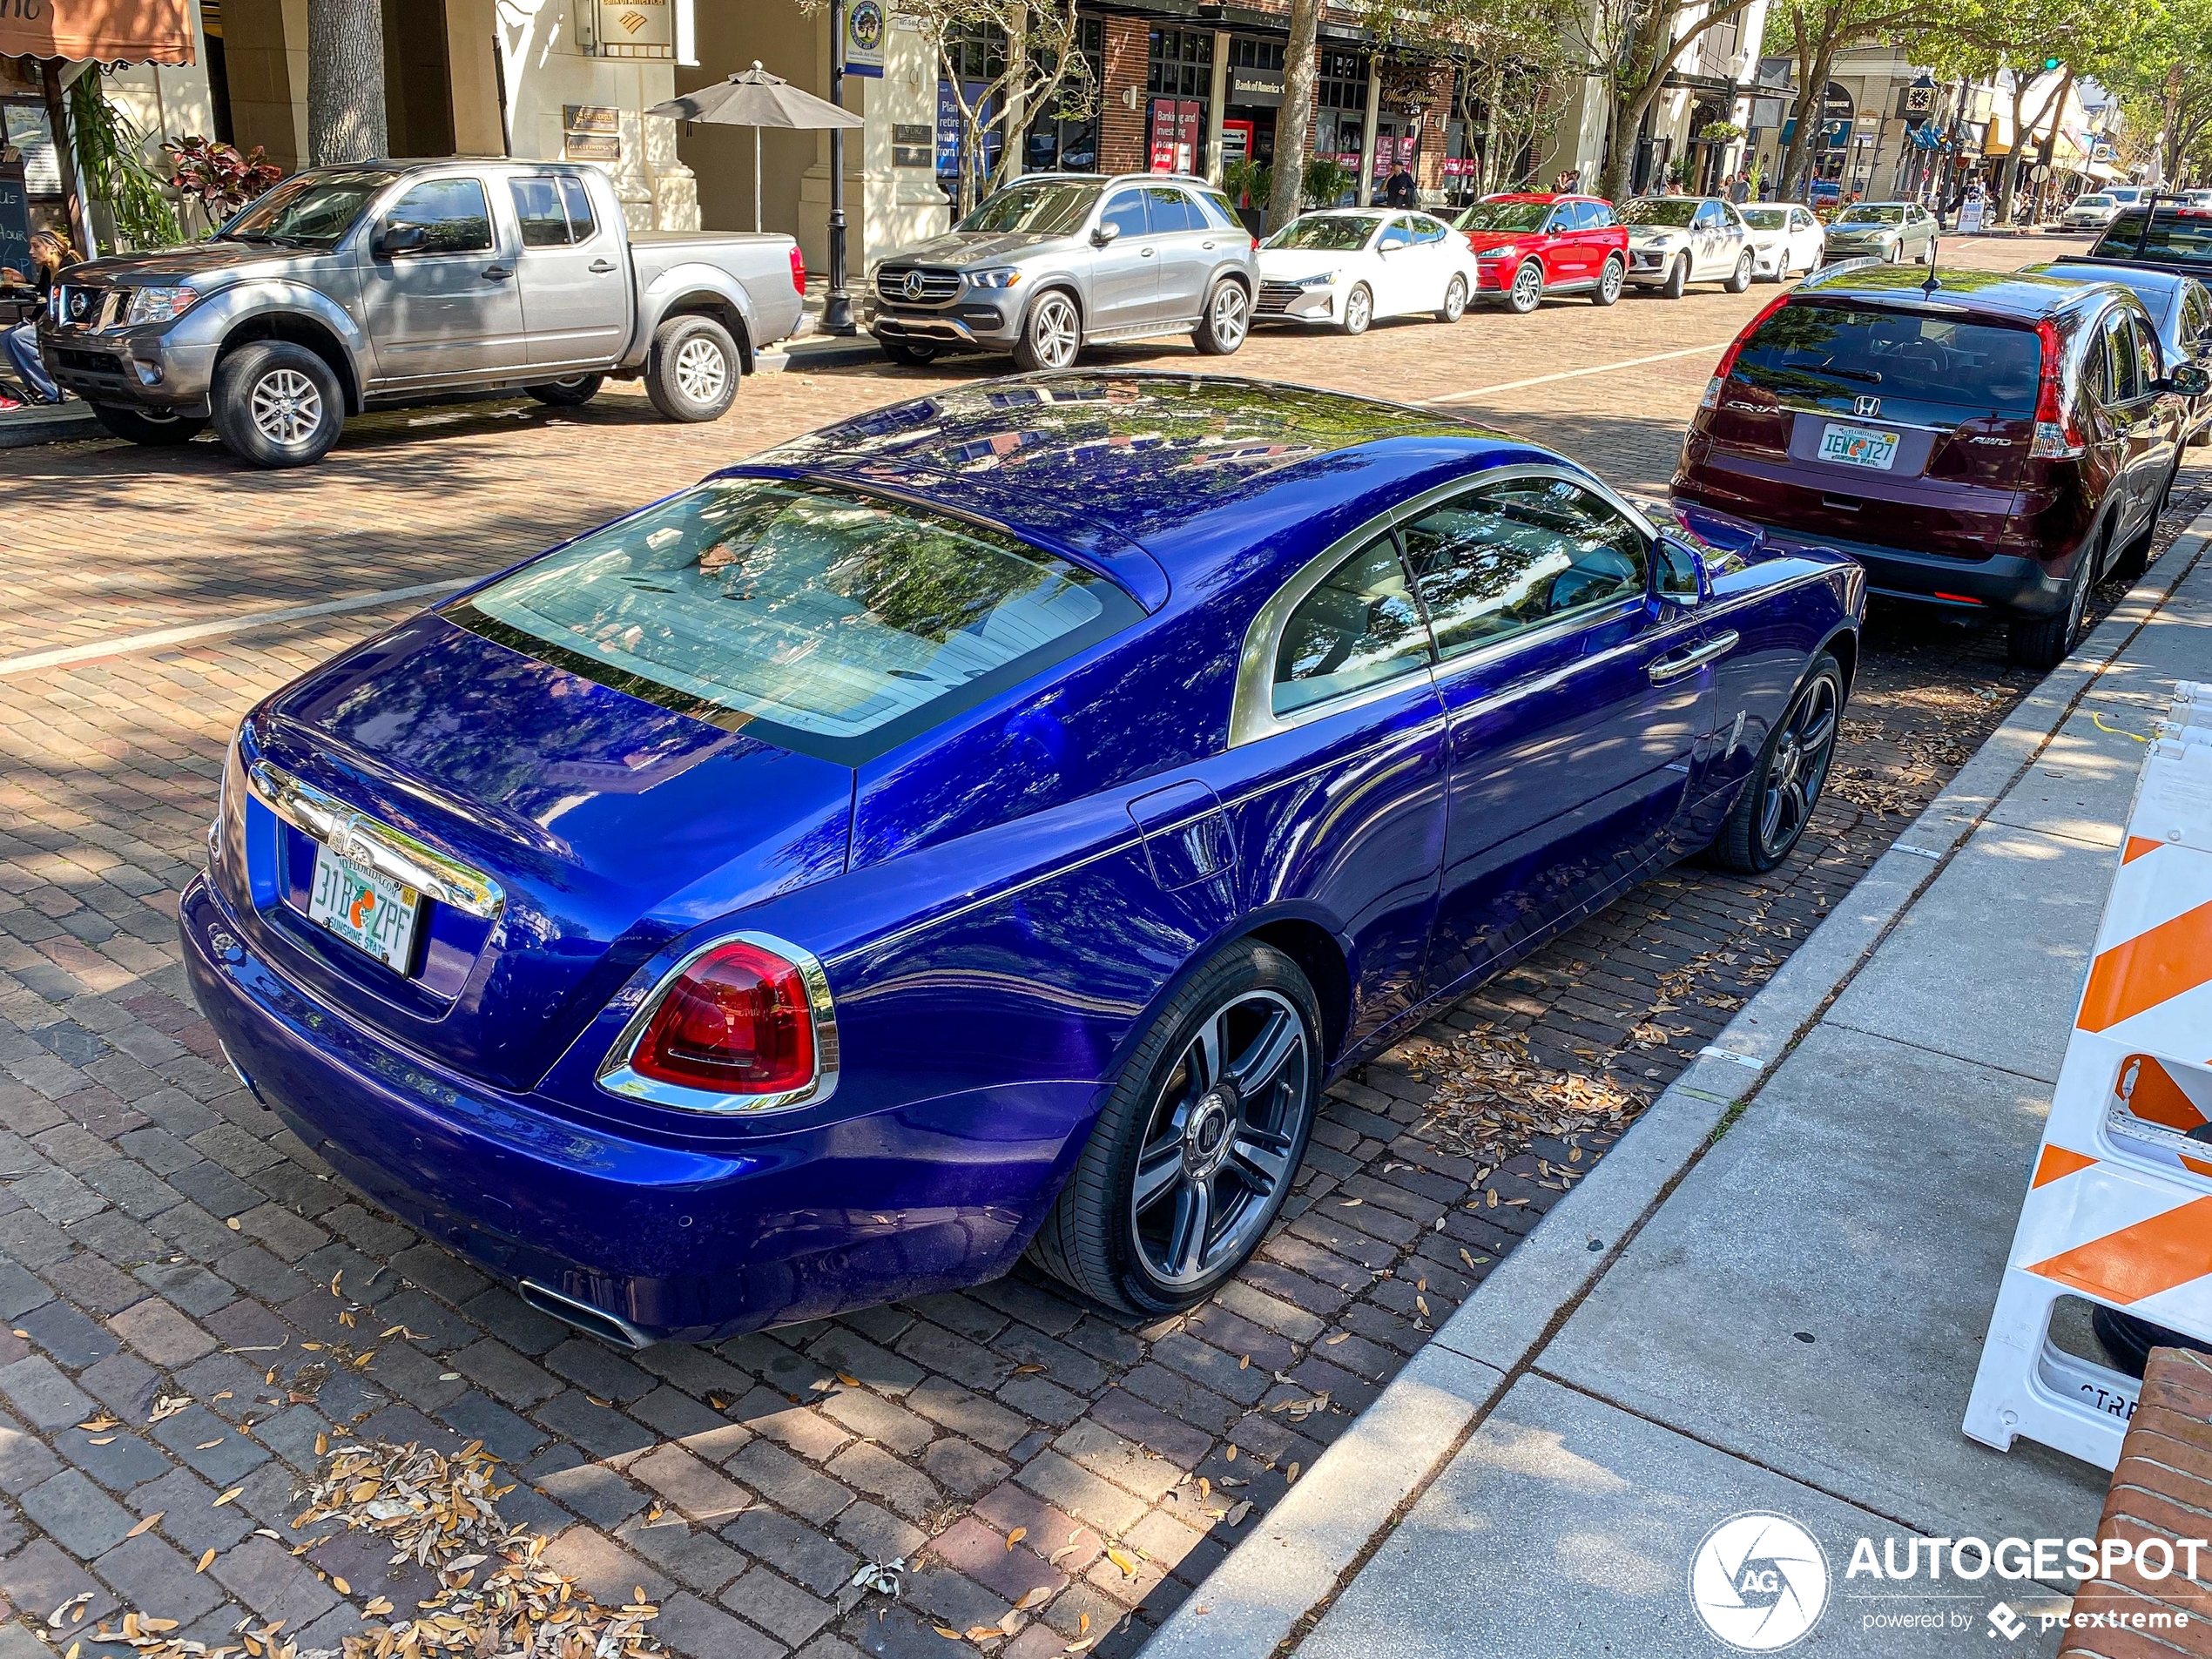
(107, 31)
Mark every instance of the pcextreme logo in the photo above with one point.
(1760, 1582)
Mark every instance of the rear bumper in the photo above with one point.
(689, 1243)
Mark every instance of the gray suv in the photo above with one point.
(1057, 260)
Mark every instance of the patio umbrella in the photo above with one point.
(755, 98)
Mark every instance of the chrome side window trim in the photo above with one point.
(354, 836)
(617, 1075)
(1252, 714)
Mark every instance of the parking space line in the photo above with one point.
(159, 636)
(1576, 374)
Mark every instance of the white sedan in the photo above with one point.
(1785, 240)
(1348, 265)
(2090, 213)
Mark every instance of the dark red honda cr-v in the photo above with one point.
(1976, 439)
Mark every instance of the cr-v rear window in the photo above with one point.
(820, 619)
(2163, 234)
(1833, 348)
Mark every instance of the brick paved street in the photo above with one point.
(162, 1237)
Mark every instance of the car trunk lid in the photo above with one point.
(608, 826)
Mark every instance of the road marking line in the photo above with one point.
(161, 637)
(1576, 374)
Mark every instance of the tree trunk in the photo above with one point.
(345, 81)
(1014, 120)
(2050, 146)
(1296, 120)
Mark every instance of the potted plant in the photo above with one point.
(1327, 181)
(1250, 184)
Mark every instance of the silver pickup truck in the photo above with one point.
(389, 282)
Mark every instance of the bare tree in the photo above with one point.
(345, 81)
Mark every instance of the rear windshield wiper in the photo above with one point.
(1870, 376)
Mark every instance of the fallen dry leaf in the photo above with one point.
(227, 1497)
(1017, 1536)
(1122, 1558)
(147, 1525)
(205, 1562)
(1037, 1597)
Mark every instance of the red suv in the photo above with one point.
(1526, 246)
(1976, 439)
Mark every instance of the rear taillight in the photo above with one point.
(1726, 367)
(2057, 438)
(798, 270)
(737, 1020)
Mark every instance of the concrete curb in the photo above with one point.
(1347, 1503)
(59, 424)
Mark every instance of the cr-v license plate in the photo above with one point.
(1858, 446)
(367, 911)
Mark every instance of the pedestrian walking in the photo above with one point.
(1400, 190)
(1739, 189)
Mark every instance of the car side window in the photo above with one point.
(1395, 233)
(1125, 212)
(537, 206)
(1592, 216)
(1359, 627)
(2122, 372)
(1511, 556)
(1429, 232)
(1560, 222)
(1172, 211)
(1215, 207)
(2148, 354)
(577, 199)
(1708, 218)
(455, 214)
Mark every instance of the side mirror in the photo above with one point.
(2188, 381)
(1104, 234)
(399, 238)
(1389, 245)
(1678, 572)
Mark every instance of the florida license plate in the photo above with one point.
(1858, 446)
(368, 912)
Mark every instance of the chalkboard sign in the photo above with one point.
(15, 220)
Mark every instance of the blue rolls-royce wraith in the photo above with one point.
(981, 825)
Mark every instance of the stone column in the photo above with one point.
(1218, 107)
(1367, 133)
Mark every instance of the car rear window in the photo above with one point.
(1833, 348)
(2175, 238)
(821, 619)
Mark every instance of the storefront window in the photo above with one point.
(1178, 75)
(1255, 95)
(1060, 143)
(1341, 125)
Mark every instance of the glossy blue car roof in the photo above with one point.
(1147, 475)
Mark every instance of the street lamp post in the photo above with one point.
(837, 304)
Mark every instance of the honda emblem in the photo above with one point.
(1866, 407)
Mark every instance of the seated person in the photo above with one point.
(49, 256)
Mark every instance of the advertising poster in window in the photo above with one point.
(949, 134)
(1176, 128)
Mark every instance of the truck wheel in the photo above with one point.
(145, 426)
(276, 404)
(692, 372)
(571, 394)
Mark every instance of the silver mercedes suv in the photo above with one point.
(1057, 260)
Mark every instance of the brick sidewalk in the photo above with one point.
(164, 1236)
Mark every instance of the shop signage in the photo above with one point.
(637, 28)
(1461, 167)
(864, 27)
(1766, 114)
(948, 130)
(15, 219)
(1177, 125)
(911, 145)
(1970, 216)
(590, 132)
(1259, 88)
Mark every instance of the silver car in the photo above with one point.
(1678, 239)
(1894, 232)
(1058, 260)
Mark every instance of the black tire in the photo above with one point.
(913, 354)
(1166, 1121)
(1609, 283)
(2044, 641)
(1359, 310)
(1677, 277)
(1052, 335)
(1455, 300)
(1526, 292)
(1225, 321)
(692, 368)
(145, 426)
(571, 394)
(276, 404)
(1740, 278)
(1778, 797)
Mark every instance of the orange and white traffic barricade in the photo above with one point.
(2118, 1208)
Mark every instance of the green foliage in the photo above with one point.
(2171, 57)
(112, 171)
(1248, 182)
(1327, 181)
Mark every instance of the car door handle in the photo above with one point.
(1144, 253)
(496, 274)
(1676, 664)
(600, 267)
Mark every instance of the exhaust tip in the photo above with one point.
(596, 1321)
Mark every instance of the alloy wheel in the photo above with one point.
(1455, 299)
(1798, 767)
(1055, 331)
(1217, 1148)
(286, 407)
(1527, 287)
(701, 370)
(1230, 318)
(1359, 310)
(1609, 283)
